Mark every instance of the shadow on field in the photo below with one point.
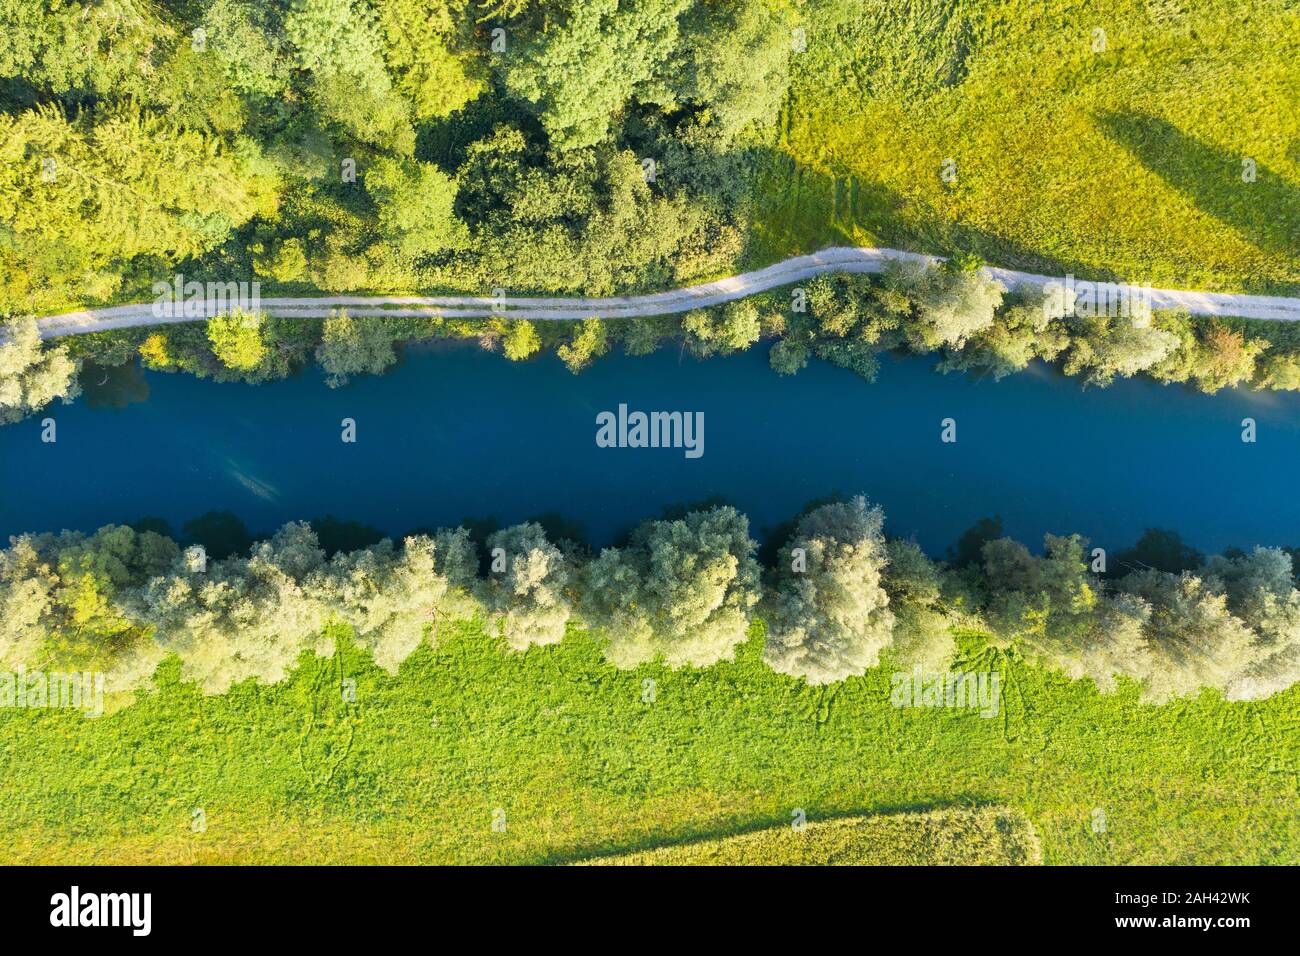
(1266, 212)
(799, 209)
(685, 836)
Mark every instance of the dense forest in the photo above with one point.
(837, 599)
(349, 144)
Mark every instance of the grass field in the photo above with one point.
(988, 836)
(1124, 162)
(471, 754)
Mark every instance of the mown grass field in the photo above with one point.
(576, 761)
(986, 836)
(1123, 162)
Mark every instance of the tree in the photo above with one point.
(242, 618)
(1031, 329)
(1102, 347)
(66, 603)
(1260, 590)
(560, 221)
(595, 56)
(416, 206)
(1055, 611)
(237, 340)
(830, 616)
(788, 355)
(681, 590)
(26, 598)
(528, 600)
(338, 42)
(922, 632)
(1280, 370)
(107, 47)
(32, 377)
(953, 301)
(736, 67)
(286, 262)
(969, 548)
(1162, 549)
(336, 36)
(392, 599)
(734, 327)
(521, 340)
(354, 347)
(424, 49)
(241, 36)
(589, 341)
(80, 197)
(1226, 358)
(1196, 642)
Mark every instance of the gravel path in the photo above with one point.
(797, 269)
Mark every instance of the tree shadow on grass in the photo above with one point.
(846, 206)
(691, 834)
(1266, 212)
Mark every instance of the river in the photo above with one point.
(455, 433)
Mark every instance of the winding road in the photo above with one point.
(797, 269)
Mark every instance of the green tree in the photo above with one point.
(79, 198)
(953, 301)
(1280, 370)
(735, 67)
(681, 590)
(1195, 641)
(922, 631)
(242, 618)
(731, 328)
(237, 340)
(426, 50)
(416, 206)
(393, 598)
(1054, 609)
(1260, 591)
(31, 376)
(1102, 347)
(109, 46)
(285, 262)
(339, 43)
(528, 598)
(590, 341)
(830, 614)
(355, 347)
(521, 340)
(595, 57)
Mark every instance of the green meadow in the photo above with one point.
(472, 754)
(1109, 138)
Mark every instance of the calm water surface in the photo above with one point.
(457, 433)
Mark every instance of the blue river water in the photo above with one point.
(454, 433)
